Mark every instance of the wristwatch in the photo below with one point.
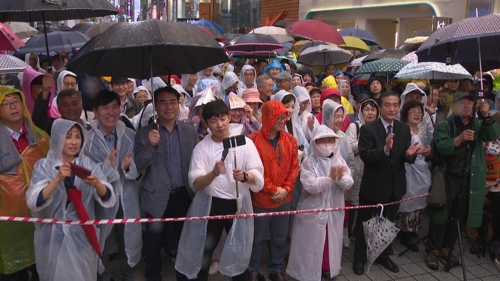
(245, 177)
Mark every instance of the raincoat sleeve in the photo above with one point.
(311, 181)
(346, 181)
(254, 166)
(294, 169)
(39, 180)
(131, 173)
(443, 140)
(96, 171)
(143, 151)
(352, 136)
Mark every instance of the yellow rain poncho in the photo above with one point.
(330, 82)
(16, 246)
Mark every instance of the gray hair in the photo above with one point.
(261, 80)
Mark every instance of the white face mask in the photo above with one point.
(325, 149)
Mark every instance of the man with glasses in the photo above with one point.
(22, 145)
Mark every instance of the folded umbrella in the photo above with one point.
(75, 197)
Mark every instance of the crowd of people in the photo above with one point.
(251, 136)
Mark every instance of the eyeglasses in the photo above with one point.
(16, 103)
(415, 112)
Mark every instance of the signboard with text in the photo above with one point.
(440, 22)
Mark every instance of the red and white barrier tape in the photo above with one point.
(224, 217)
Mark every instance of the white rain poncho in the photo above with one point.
(142, 88)
(183, 108)
(242, 76)
(63, 251)
(309, 230)
(418, 181)
(124, 185)
(238, 247)
(202, 75)
(425, 128)
(303, 95)
(229, 79)
(352, 133)
(185, 81)
(328, 110)
(60, 78)
(297, 129)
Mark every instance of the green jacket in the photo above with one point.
(445, 147)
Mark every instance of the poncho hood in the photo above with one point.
(321, 132)
(328, 111)
(271, 111)
(360, 113)
(59, 130)
(242, 75)
(60, 78)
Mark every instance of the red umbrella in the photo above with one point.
(8, 40)
(316, 30)
(75, 196)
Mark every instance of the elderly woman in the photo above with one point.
(142, 94)
(418, 176)
(62, 249)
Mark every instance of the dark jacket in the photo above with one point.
(383, 176)
(134, 106)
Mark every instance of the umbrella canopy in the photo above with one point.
(385, 53)
(361, 34)
(316, 30)
(254, 43)
(58, 41)
(382, 65)
(280, 34)
(207, 23)
(324, 55)
(147, 49)
(433, 70)
(282, 23)
(99, 28)
(358, 61)
(421, 33)
(410, 57)
(287, 46)
(309, 44)
(354, 43)
(463, 41)
(379, 233)
(83, 26)
(11, 64)
(8, 40)
(36, 10)
(213, 33)
(52, 28)
(409, 47)
(22, 29)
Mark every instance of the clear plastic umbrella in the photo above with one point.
(11, 64)
(379, 233)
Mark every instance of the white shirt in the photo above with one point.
(386, 131)
(15, 134)
(221, 185)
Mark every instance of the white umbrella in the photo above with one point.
(322, 55)
(379, 233)
(433, 70)
(11, 64)
(358, 61)
(280, 34)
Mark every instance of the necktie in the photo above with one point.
(389, 129)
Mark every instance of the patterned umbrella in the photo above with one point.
(467, 42)
(411, 57)
(322, 55)
(358, 61)
(11, 64)
(433, 70)
(382, 65)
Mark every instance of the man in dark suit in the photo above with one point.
(384, 146)
(163, 151)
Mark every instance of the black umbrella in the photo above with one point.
(53, 10)
(312, 44)
(52, 28)
(282, 23)
(473, 42)
(385, 53)
(254, 43)
(125, 49)
(58, 41)
(83, 26)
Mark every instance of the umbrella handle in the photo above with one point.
(381, 211)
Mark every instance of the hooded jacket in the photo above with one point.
(310, 73)
(15, 173)
(309, 231)
(281, 165)
(28, 77)
(324, 95)
(425, 128)
(242, 76)
(60, 78)
(303, 95)
(56, 244)
(370, 81)
(229, 79)
(273, 64)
